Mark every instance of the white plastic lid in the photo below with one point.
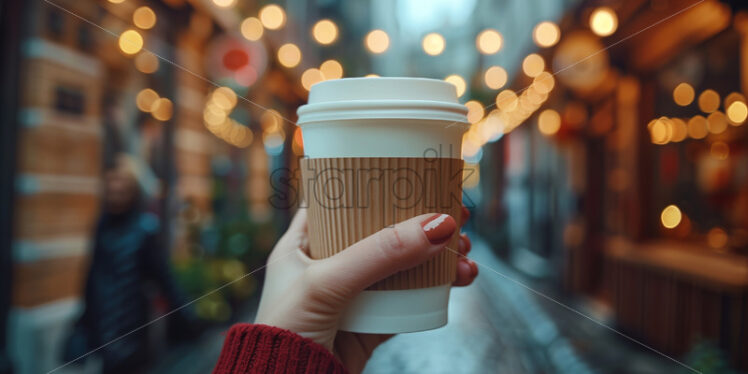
(379, 98)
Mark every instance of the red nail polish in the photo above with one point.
(465, 214)
(439, 228)
(464, 241)
(473, 268)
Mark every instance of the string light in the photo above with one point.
(533, 65)
(475, 111)
(549, 122)
(325, 32)
(130, 42)
(671, 216)
(544, 82)
(495, 77)
(737, 113)
(331, 69)
(716, 122)
(717, 238)
(251, 29)
(272, 16)
(289, 55)
(709, 101)
(162, 109)
(697, 127)
(145, 99)
(224, 97)
(489, 41)
(433, 44)
(371, 76)
(144, 17)
(224, 3)
(146, 62)
(310, 77)
(506, 100)
(458, 82)
(683, 94)
(377, 41)
(603, 21)
(679, 130)
(546, 34)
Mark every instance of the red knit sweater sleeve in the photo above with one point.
(265, 349)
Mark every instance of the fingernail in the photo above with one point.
(439, 228)
(465, 214)
(473, 268)
(464, 244)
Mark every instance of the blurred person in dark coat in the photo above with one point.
(127, 261)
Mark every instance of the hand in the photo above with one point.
(309, 296)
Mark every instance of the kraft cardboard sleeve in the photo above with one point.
(351, 198)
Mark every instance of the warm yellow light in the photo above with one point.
(671, 216)
(549, 122)
(331, 69)
(660, 131)
(697, 127)
(146, 62)
(544, 82)
(495, 77)
(130, 42)
(546, 34)
(145, 99)
(224, 97)
(475, 111)
(272, 16)
(310, 77)
(458, 82)
(603, 21)
(213, 117)
(679, 129)
(289, 55)
(162, 109)
(325, 31)
(720, 150)
(433, 44)
(683, 94)
(252, 29)
(717, 238)
(371, 76)
(224, 3)
(506, 100)
(144, 17)
(709, 101)
(377, 41)
(716, 122)
(533, 65)
(116, 1)
(489, 41)
(737, 112)
(733, 97)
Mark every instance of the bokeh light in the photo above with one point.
(433, 44)
(709, 101)
(697, 127)
(737, 113)
(546, 34)
(717, 238)
(549, 122)
(331, 69)
(224, 3)
(289, 55)
(506, 100)
(162, 109)
(145, 99)
(252, 29)
(377, 41)
(130, 42)
(671, 216)
(719, 150)
(603, 21)
(146, 62)
(458, 82)
(716, 122)
(310, 77)
(272, 17)
(475, 111)
(544, 82)
(533, 65)
(683, 94)
(489, 41)
(325, 32)
(495, 77)
(679, 130)
(144, 18)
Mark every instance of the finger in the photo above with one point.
(465, 216)
(296, 236)
(467, 270)
(382, 254)
(464, 244)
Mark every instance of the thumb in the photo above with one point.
(382, 254)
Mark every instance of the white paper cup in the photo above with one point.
(396, 121)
